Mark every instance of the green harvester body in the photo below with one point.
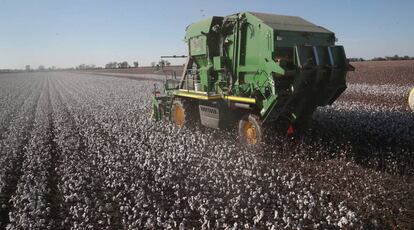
(280, 68)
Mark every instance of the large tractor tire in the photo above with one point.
(251, 130)
(183, 113)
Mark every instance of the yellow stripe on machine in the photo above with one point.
(240, 99)
(204, 96)
(198, 96)
(192, 91)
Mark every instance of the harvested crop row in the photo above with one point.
(381, 73)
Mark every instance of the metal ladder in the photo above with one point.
(167, 111)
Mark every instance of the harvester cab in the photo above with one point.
(249, 70)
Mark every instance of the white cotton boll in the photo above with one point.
(342, 222)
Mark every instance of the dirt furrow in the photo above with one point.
(54, 196)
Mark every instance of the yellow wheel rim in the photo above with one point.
(179, 116)
(411, 100)
(250, 134)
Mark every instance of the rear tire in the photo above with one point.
(251, 130)
(184, 113)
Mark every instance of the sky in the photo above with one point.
(72, 32)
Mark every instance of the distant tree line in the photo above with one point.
(85, 67)
(121, 65)
(393, 58)
(356, 59)
(160, 64)
(111, 65)
(386, 58)
(40, 68)
(124, 65)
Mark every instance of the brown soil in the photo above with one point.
(383, 72)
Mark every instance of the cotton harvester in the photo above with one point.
(250, 70)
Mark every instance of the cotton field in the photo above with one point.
(79, 151)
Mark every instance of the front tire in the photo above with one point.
(250, 130)
(183, 113)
